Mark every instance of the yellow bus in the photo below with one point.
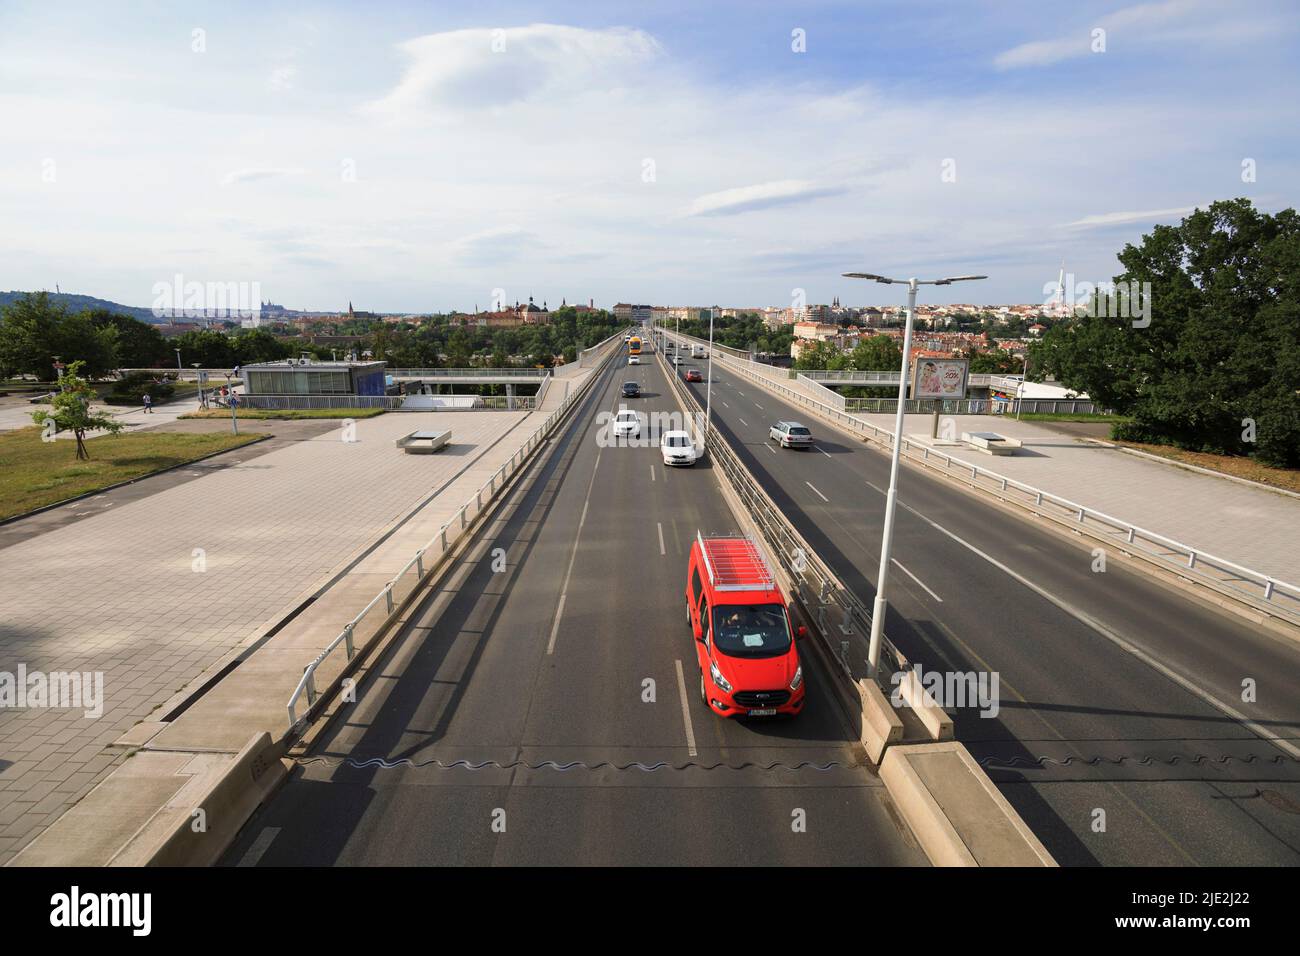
(634, 345)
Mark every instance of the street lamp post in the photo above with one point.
(1024, 382)
(891, 498)
(708, 387)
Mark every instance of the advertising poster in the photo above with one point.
(939, 378)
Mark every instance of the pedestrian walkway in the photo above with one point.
(152, 593)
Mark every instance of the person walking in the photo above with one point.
(148, 404)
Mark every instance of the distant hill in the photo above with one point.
(77, 303)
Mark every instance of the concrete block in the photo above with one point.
(954, 810)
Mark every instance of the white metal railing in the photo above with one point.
(365, 626)
(832, 398)
(872, 377)
(467, 373)
(1255, 588)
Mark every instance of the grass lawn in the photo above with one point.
(1238, 467)
(34, 473)
(287, 413)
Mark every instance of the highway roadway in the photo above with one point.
(549, 713)
(1118, 694)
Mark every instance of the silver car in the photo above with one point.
(791, 435)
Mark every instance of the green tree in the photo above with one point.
(139, 344)
(1219, 362)
(70, 411)
(878, 353)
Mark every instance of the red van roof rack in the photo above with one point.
(734, 563)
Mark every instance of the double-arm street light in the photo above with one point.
(878, 611)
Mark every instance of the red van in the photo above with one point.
(744, 641)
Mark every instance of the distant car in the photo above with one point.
(631, 390)
(627, 423)
(693, 375)
(634, 360)
(791, 435)
(677, 448)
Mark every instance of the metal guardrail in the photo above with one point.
(464, 373)
(883, 378)
(830, 397)
(364, 626)
(841, 619)
(1253, 588)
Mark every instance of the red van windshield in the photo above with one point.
(751, 630)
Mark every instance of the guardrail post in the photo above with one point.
(1131, 531)
(347, 639)
(1268, 589)
(1080, 514)
(388, 597)
(310, 669)
(1191, 559)
(419, 563)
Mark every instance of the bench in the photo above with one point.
(991, 443)
(423, 442)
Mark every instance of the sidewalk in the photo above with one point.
(154, 592)
(1250, 526)
(251, 697)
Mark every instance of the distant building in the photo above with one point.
(314, 378)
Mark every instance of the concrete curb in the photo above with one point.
(226, 796)
(1200, 470)
(954, 809)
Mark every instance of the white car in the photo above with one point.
(634, 360)
(627, 423)
(677, 448)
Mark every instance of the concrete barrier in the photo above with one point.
(934, 718)
(955, 811)
(881, 725)
(223, 799)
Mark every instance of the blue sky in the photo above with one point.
(409, 157)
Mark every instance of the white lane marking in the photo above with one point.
(661, 537)
(259, 847)
(686, 709)
(818, 493)
(743, 422)
(770, 448)
(826, 453)
(900, 567)
(564, 589)
(652, 472)
(758, 406)
(726, 405)
(1123, 644)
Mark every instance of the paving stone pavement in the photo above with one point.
(153, 592)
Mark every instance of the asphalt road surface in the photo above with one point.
(549, 713)
(1122, 736)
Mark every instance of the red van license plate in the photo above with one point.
(763, 712)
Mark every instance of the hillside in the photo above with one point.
(76, 303)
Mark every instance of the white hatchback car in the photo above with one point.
(677, 448)
(627, 424)
(634, 360)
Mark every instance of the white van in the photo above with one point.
(699, 351)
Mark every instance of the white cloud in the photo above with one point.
(730, 202)
(1119, 218)
(484, 68)
(282, 77)
(1138, 26)
(252, 174)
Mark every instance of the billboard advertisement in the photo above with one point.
(943, 378)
